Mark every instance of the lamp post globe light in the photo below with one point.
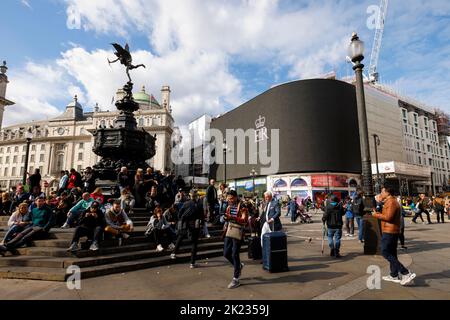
(371, 225)
(29, 138)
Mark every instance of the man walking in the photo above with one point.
(422, 208)
(212, 199)
(333, 218)
(358, 213)
(390, 224)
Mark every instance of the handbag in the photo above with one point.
(234, 230)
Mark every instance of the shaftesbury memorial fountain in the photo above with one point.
(123, 145)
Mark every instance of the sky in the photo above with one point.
(214, 54)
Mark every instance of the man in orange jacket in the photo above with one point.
(390, 224)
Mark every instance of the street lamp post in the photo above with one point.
(253, 174)
(371, 226)
(377, 143)
(29, 137)
(225, 149)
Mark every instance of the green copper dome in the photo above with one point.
(142, 97)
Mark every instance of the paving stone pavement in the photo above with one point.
(311, 275)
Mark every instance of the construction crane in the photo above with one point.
(376, 48)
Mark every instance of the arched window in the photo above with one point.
(280, 184)
(141, 122)
(299, 183)
(352, 183)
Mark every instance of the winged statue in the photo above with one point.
(124, 56)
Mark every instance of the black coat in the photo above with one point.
(211, 195)
(190, 213)
(333, 215)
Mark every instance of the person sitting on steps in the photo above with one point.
(118, 223)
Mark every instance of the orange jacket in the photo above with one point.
(390, 217)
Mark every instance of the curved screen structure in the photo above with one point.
(318, 129)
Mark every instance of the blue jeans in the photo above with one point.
(11, 232)
(360, 223)
(389, 244)
(293, 216)
(232, 251)
(334, 238)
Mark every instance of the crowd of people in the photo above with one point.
(176, 213)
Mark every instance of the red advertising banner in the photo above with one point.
(334, 181)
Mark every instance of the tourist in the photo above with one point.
(159, 228)
(190, 219)
(41, 218)
(171, 216)
(63, 182)
(152, 200)
(222, 197)
(422, 207)
(16, 223)
(180, 198)
(139, 190)
(150, 179)
(270, 215)
(127, 201)
(76, 211)
(117, 222)
(35, 179)
(98, 196)
(124, 179)
(62, 209)
(88, 180)
(292, 209)
(390, 224)
(212, 199)
(349, 218)
(206, 216)
(35, 193)
(91, 225)
(333, 218)
(19, 197)
(6, 204)
(401, 236)
(236, 216)
(180, 183)
(358, 214)
(439, 206)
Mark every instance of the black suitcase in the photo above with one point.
(275, 257)
(254, 248)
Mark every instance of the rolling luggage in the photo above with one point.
(275, 252)
(254, 248)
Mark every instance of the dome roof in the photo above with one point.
(142, 97)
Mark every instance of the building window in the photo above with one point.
(23, 159)
(33, 147)
(41, 158)
(16, 149)
(80, 156)
(13, 171)
(42, 147)
(15, 159)
(81, 145)
(420, 160)
(24, 148)
(32, 158)
(430, 161)
(79, 168)
(21, 171)
(41, 169)
(31, 169)
(1, 160)
(5, 173)
(8, 150)
(7, 160)
(405, 115)
(141, 122)
(1, 150)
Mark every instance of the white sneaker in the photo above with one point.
(94, 247)
(73, 247)
(125, 236)
(391, 279)
(171, 246)
(159, 248)
(208, 236)
(173, 256)
(234, 284)
(406, 279)
(192, 266)
(65, 226)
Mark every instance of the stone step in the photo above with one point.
(56, 274)
(46, 262)
(4, 218)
